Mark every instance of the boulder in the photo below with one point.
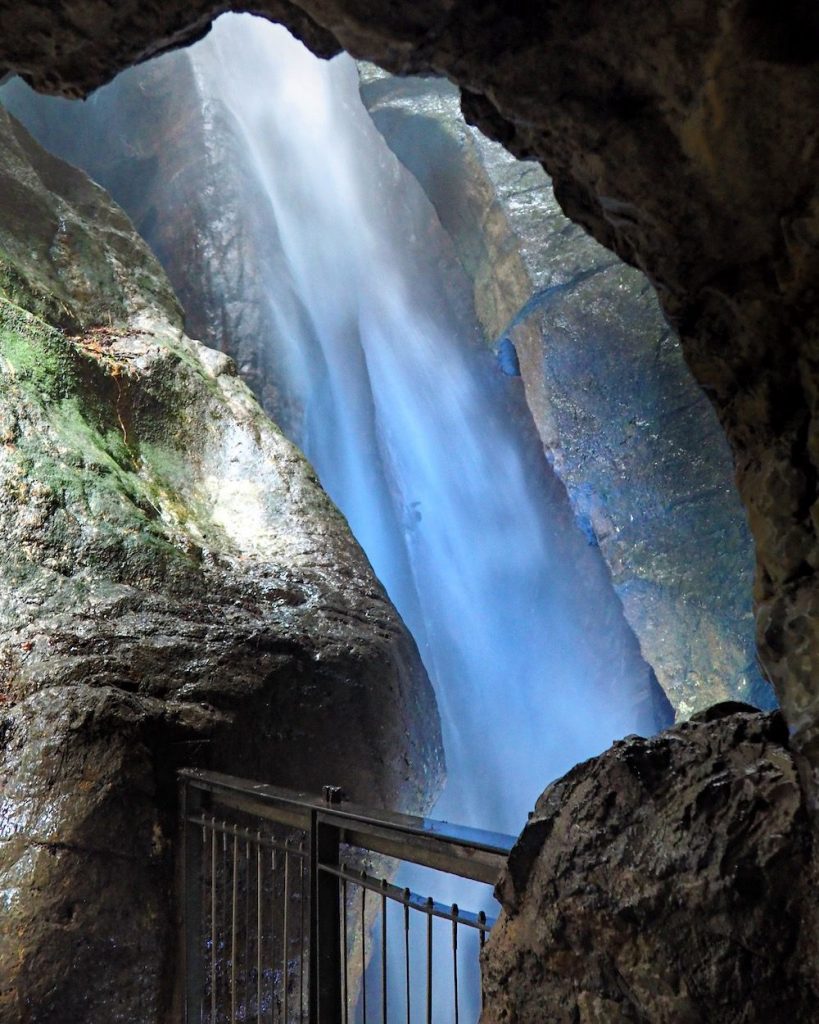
(176, 589)
(669, 880)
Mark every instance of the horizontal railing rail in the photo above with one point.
(274, 893)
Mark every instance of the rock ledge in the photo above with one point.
(669, 880)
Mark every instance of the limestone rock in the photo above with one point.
(681, 137)
(67, 254)
(175, 588)
(670, 880)
(629, 432)
(168, 144)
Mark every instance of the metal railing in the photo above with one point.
(289, 915)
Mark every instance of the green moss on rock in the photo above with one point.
(19, 290)
(39, 356)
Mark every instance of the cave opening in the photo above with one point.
(300, 245)
(324, 264)
(357, 325)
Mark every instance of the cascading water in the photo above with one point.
(416, 437)
(421, 442)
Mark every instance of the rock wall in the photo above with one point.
(628, 431)
(670, 880)
(175, 588)
(683, 138)
(165, 142)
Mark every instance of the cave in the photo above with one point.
(624, 219)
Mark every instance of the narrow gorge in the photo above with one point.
(177, 590)
(554, 555)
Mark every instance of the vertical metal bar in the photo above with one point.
(190, 805)
(246, 934)
(482, 933)
(325, 952)
(384, 952)
(204, 917)
(301, 930)
(429, 959)
(214, 931)
(364, 950)
(407, 895)
(345, 992)
(223, 938)
(272, 934)
(259, 911)
(234, 925)
(455, 958)
(285, 963)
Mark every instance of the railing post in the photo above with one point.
(325, 938)
(190, 805)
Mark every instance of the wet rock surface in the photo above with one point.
(683, 139)
(186, 169)
(629, 432)
(180, 161)
(176, 589)
(669, 880)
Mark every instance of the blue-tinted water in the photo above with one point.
(423, 443)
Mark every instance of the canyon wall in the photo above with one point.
(256, 223)
(646, 467)
(682, 139)
(627, 429)
(176, 590)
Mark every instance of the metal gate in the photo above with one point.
(289, 916)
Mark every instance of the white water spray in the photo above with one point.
(420, 441)
(409, 429)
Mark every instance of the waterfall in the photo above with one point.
(424, 444)
(419, 438)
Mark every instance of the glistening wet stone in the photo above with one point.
(176, 589)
